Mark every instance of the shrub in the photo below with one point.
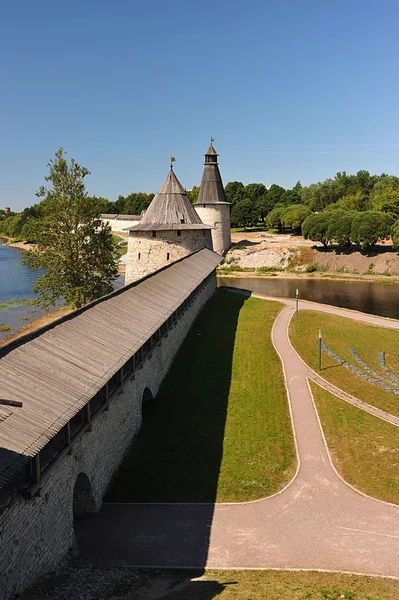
(311, 268)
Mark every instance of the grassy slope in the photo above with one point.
(365, 449)
(220, 429)
(340, 334)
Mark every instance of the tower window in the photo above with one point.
(182, 221)
(154, 234)
(167, 256)
(178, 232)
(139, 256)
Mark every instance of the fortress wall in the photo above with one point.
(147, 254)
(36, 534)
(218, 217)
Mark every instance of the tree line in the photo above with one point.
(273, 207)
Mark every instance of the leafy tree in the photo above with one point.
(192, 194)
(315, 227)
(274, 217)
(254, 191)
(294, 215)
(357, 201)
(73, 245)
(275, 194)
(235, 192)
(243, 214)
(395, 235)
(340, 226)
(291, 197)
(370, 226)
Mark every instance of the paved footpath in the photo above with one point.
(317, 522)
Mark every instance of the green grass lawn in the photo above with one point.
(220, 429)
(364, 448)
(127, 582)
(340, 334)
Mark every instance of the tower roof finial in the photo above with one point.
(172, 160)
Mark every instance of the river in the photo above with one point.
(16, 282)
(366, 296)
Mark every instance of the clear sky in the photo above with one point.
(290, 90)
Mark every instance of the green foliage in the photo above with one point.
(311, 268)
(243, 214)
(235, 192)
(274, 217)
(315, 227)
(4, 327)
(395, 235)
(369, 227)
(340, 227)
(73, 246)
(294, 215)
(192, 194)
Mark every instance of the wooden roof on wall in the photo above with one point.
(58, 369)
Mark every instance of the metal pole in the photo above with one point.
(319, 350)
(296, 300)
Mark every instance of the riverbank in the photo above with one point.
(36, 324)
(228, 272)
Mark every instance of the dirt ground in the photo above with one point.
(285, 251)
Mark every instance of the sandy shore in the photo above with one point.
(291, 275)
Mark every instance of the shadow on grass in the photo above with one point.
(175, 459)
(177, 454)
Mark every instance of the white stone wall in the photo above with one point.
(147, 254)
(120, 225)
(36, 534)
(218, 217)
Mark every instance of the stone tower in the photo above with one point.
(169, 230)
(212, 206)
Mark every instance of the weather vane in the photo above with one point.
(172, 160)
(212, 139)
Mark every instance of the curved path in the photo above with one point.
(316, 522)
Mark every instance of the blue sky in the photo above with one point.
(290, 90)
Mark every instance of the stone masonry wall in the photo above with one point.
(147, 254)
(36, 534)
(218, 217)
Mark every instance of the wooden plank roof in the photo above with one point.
(170, 206)
(56, 370)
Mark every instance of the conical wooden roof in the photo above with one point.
(211, 188)
(170, 209)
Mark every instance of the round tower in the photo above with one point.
(212, 206)
(169, 230)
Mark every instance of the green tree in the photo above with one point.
(192, 194)
(243, 214)
(370, 226)
(235, 192)
(294, 215)
(73, 246)
(274, 218)
(357, 201)
(340, 226)
(253, 191)
(315, 227)
(395, 235)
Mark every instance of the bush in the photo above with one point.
(311, 268)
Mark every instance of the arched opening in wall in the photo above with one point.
(83, 499)
(148, 403)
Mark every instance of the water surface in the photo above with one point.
(366, 296)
